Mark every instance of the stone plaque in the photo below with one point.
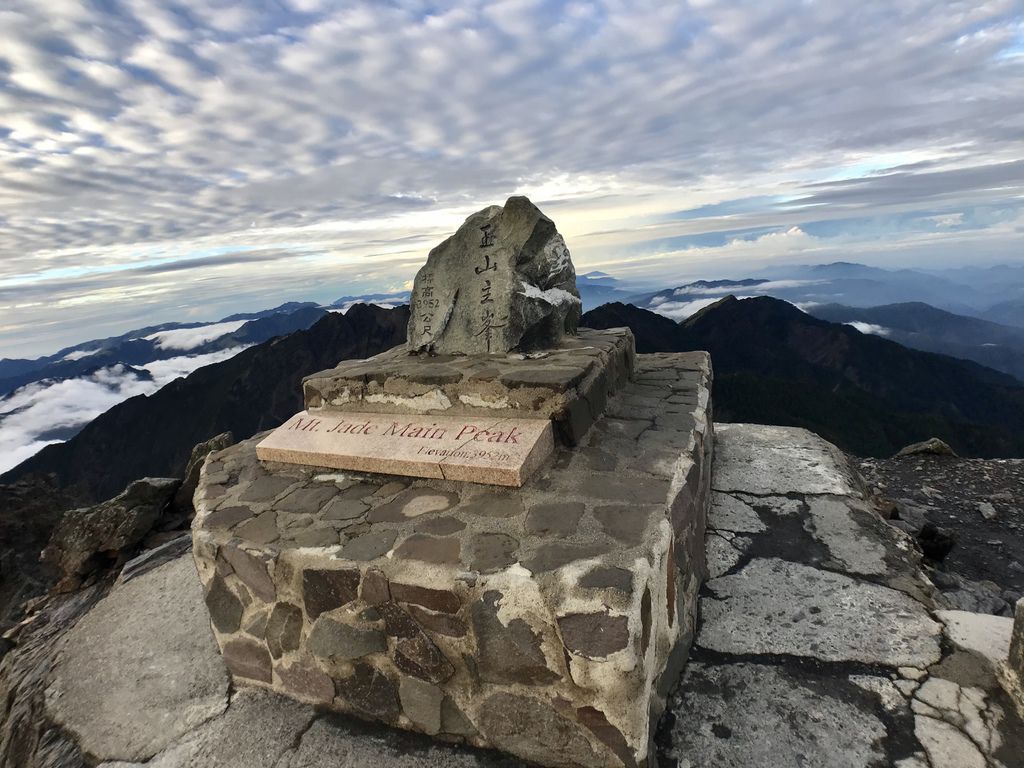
(498, 451)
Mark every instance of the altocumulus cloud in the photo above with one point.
(333, 142)
(47, 412)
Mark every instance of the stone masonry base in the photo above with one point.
(547, 621)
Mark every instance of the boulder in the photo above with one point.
(182, 506)
(110, 529)
(932, 446)
(504, 281)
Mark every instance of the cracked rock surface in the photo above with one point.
(138, 671)
(819, 641)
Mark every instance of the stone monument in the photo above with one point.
(503, 282)
(491, 535)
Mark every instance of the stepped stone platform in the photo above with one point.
(547, 621)
(568, 384)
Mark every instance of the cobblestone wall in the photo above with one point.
(548, 621)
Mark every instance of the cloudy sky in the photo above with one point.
(185, 159)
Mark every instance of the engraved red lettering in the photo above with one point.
(467, 428)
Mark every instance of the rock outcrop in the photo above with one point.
(504, 281)
(819, 643)
(933, 446)
(88, 536)
(970, 511)
(182, 508)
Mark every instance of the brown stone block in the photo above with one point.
(435, 599)
(594, 635)
(325, 590)
(375, 589)
(306, 681)
(439, 623)
(249, 659)
(283, 629)
(370, 692)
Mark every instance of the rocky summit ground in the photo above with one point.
(820, 644)
(976, 507)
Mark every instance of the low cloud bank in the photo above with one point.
(47, 412)
(727, 288)
(190, 338)
(875, 330)
(680, 310)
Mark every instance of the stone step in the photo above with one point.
(568, 384)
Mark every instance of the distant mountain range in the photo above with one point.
(50, 399)
(994, 293)
(597, 288)
(775, 364)
(924, 327)
(1006, 312)
(257, 389)
(160, 342)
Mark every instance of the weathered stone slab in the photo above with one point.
(568, 383)
(494, 451)
(764, 460)
(503, 281)
(745, 714)
(775, 606)
(124, 700)
(547, 621)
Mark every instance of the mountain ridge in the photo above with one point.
(775, 364)
(136, 349)
(921, 326)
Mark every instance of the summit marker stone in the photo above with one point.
(504, 281)
(547, 618)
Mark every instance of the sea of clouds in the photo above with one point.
(190, 338)
(47, 412)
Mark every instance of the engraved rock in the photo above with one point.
(504, 281)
